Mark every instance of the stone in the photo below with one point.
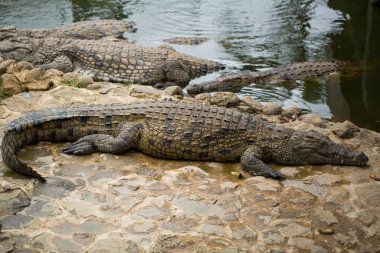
(142, 227)
(181, 223)
(313, 119)
(271, 109)
(345, 130)
(297, 196)
(252, 103)
(17, 221)
(11, 85)
(204, 97)
(23, 65)
(225, 99)
(4, 65)
(34, 74)
(289, 228)
(41, 85)
(290, 114)
(271, 237)
(13, 201)
(367, 217)
(52, 73)
(228, 186)
(173, 91)
(83, 238)
(6, 244)
(55, 188)
(325, 216)
(85, 80)
(369, 194)
(65, 245)
(114, 245)
(300, 242)
(245, 109)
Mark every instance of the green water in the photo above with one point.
(252, 34)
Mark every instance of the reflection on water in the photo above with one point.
(250, 34)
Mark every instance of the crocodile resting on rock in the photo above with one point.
(175, 131)
(94, 29)
(295, 71)
(114, 61)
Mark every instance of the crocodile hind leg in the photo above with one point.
(128, 137)
(252, 163)
(176, 73)
(62, 63)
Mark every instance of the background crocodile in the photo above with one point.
(176, 131)
(110, 60)
(186, 40)
(296, 71)
(94, 29)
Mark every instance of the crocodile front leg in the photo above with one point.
(176, 73)
(62, 63)
(252, 163)
(128, 137)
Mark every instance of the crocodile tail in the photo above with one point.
(23, 131)
(9, 148)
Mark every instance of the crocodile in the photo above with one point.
(115, 61)
(295, 71)
(186, 40)
(174, 130)
(94, 29)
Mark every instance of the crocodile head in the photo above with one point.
(312, 147)
(15, 48)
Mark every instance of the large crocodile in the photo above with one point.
(94, 29)
(295, 71)
(174, 130)
(109, 60)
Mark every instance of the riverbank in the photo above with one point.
(135, 203)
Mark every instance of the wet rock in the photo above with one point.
(65, 245)
(181, 223)
(43, 208)
(313, 119)
(367, 217)
(14, 221)
(271, 109)
(55, 188)
(114, 245)
(369, 194)
(142, 227)
(83, 238)
(345, 129)
(225, 99)
(4, 65)
(271, 237)
(325, 216)
(252, 103)
(6, 244)
(13, 201)
(11, 85)
(34, 74)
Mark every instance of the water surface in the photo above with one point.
(250, 34)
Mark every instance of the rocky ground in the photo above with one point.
(135, 203)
